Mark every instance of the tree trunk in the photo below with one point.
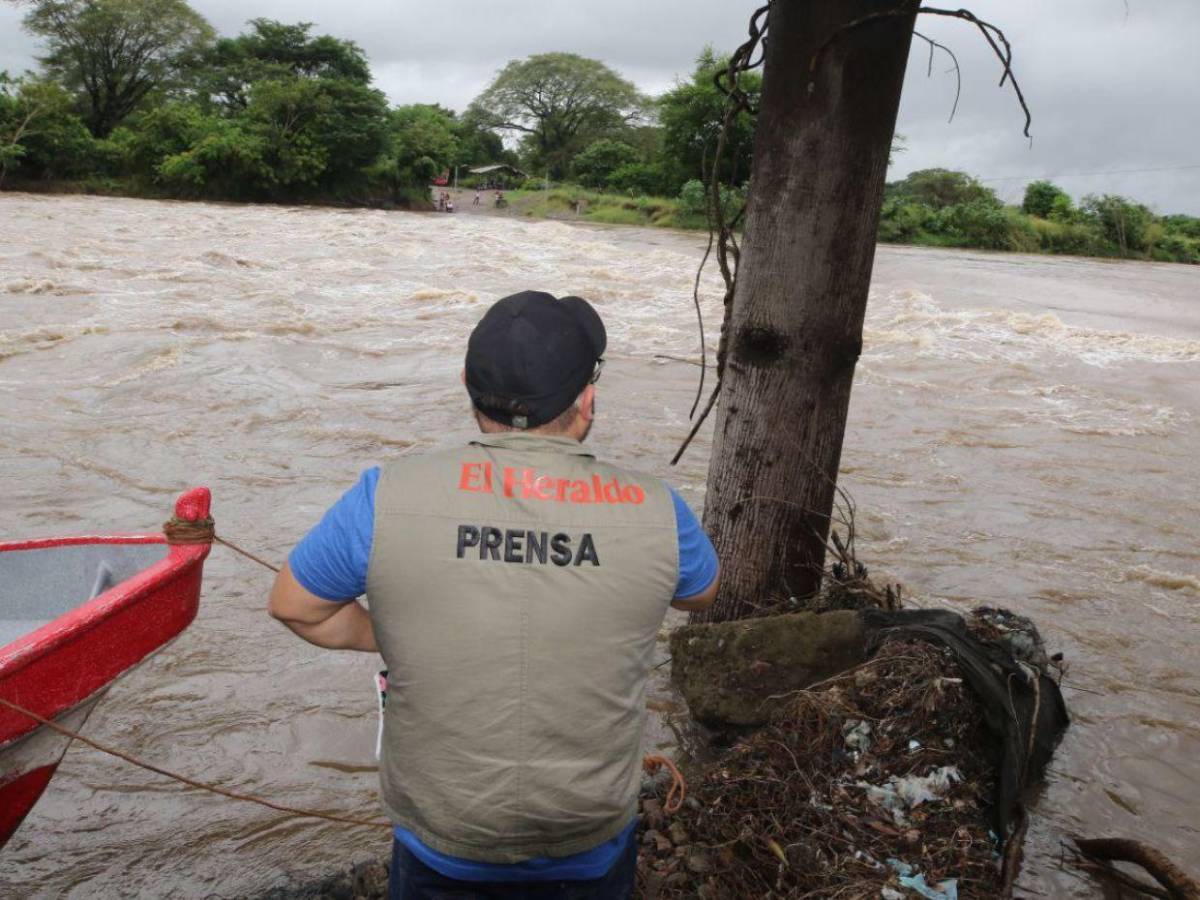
(795, 333)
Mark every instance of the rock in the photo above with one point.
(678, 833)
(658, 840)
(724, 670)
(652, 813)
(698, 863)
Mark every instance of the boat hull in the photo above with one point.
(60, 670)
(28, 763)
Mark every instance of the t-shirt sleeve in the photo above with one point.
(331, 561)
(697, 558)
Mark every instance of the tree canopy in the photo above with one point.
(274, 50)
(940, 188)
(1042, 198)
(558, 102)
(112, 54)
(691, 115)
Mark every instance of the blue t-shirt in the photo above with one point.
(331, 562)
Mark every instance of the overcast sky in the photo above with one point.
(1114, 87)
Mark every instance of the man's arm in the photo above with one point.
(699, 570)
(336, 625)
(702, 601)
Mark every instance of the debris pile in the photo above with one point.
(877, 784)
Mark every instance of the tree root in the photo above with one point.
(1178, 884)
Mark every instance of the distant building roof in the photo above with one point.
(497, 167)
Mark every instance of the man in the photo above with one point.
(516, 587)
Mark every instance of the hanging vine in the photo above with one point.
(722, 226)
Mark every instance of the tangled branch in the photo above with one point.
(934, 45)
(995, 38)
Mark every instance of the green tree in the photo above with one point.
(1042, 199)
(1187, 226)
(112, 54)
(691, 114)
(166, 130)
(939, 188)
(478, 144)
(224, 160)
(422, 141)
(40, 134)
(316, 132)
(560, 102)
(275, 50)
(600, 159)
(1123, 222)
(282, 114)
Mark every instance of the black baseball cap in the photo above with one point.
(531, 355)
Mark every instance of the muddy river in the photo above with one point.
(1024, 432)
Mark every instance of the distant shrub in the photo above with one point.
(1022, 235)
(1174, 248)
(638, 178)
(1071, 237)
(901, 220)
(600, 159)
(941, 188)
(1124, 223)
(1062, 210)
(976, 224)
(1187, 226)
(694, 200)
(1042, 197)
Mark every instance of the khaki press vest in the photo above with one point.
(516, 588)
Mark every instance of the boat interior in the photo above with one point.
(37, 586)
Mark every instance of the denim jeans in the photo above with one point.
(411, 879)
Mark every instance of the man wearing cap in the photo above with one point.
(516, 586)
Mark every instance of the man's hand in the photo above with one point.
(702, 601)
(336, 625)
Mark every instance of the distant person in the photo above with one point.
(476, 203)
(516, 585)
(500, 201)
(449, 205)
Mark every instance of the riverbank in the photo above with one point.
(1005, 230)
(969, 227)
(135, 188)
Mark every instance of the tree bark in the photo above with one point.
(795, 332)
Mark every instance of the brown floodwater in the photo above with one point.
(1023, 432)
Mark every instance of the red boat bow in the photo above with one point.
(60, 669)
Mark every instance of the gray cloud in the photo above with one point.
(1110, 90)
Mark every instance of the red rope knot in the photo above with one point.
(677, 793)
(187, 531)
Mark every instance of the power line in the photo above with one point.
(1088, 174)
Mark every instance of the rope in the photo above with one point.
(211, 788)
(246, 553)
(675, 796)
(188, 531)
(651, 764)
(202, 531)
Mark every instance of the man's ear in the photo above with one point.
(587, 403)
(463, 375)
